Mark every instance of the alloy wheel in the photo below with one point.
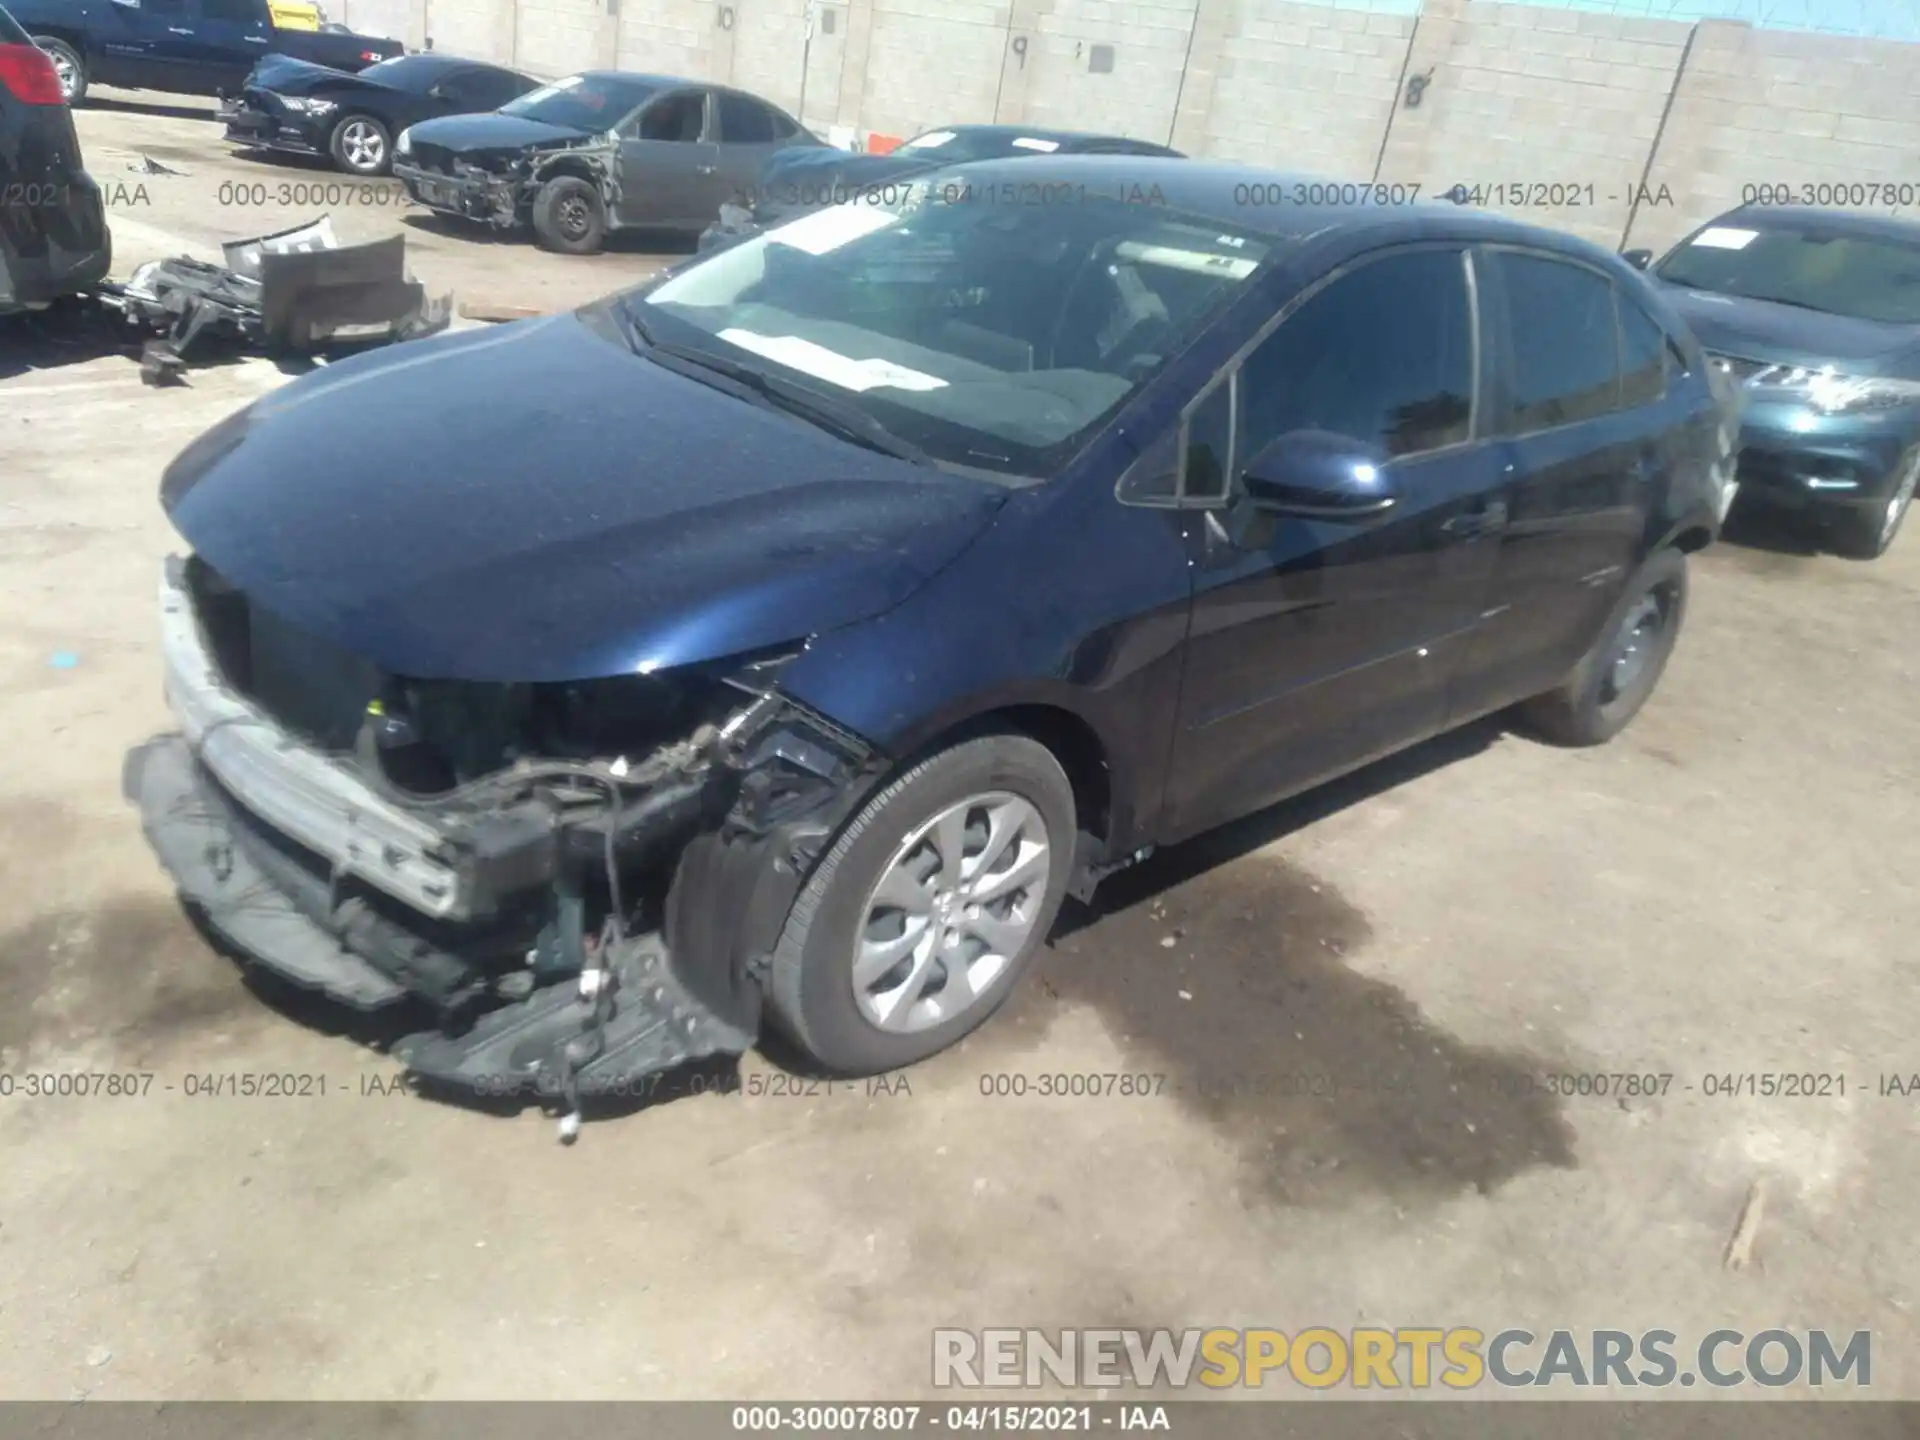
(65, 72)
(953, 909)
(363, 145)
(1898, 502)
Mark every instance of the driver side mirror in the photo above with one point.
(1638, 259)
(1315, 475)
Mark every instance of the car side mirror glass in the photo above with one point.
(1316, 475)
(1638, 259)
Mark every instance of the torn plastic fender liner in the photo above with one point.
(735, 883)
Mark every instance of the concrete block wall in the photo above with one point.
(1617, 125)
(1764, 107)
(1301, 87)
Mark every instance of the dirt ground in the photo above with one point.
(1730, 888)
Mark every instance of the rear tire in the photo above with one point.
(1614, 678)
(569, 216)
(843, 978)
(361, 146)
(68, 65)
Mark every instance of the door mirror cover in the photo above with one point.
(1314, 474)
(1638, 259)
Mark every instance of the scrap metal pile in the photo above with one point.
(290, 293)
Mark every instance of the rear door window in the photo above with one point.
(1644, 348)
(744, 121)
(1563, 342)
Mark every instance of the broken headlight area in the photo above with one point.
(582, 881)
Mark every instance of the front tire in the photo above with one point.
(68, 66)
(1614, 678)
(361, 146)
(569, 216)
(920, 920)
(1866, 532)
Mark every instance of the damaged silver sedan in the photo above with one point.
(596, 153)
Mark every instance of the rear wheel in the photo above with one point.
(569, 216)
(1614, 678)
(70, 69)
(929, 908)
(1866, 532)
(361, 146)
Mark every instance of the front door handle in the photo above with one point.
(176, 30)
(705, 169)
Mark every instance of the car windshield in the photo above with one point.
(408, 72)
(994, 338)
(958, 147)
(1865, 277)
(581, 102)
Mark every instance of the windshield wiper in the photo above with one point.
(846, 421)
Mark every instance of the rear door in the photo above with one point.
(1317, 645)
(228, 38)
(670, 163)
(1586, 452)
(749, 133)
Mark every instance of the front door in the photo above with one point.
(148, 45)
(669, 165)
(1317, 645)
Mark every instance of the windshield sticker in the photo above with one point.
(1234, 267)
(1722, 237)
(1024, 143)
(829, 229)
(931, 141)
(830, 365)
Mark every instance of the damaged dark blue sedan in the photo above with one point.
(788, 638)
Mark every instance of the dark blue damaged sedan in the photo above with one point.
(782, 642)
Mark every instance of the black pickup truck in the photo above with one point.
(189, 47)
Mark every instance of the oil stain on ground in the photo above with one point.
(1326, 1081)
(134, 971)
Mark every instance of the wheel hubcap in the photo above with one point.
(1639, 641)
(952, 911)
(65, 74)
(362, 145)
(573, 218)
(1902, 497)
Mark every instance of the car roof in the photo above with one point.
(1858, 224)
(1255, 200)
(1033, 132)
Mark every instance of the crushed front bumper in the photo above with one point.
(318, 877)
(490, 199)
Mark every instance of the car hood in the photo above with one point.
(537, 503)
(285, 76)
(1789, 335)
(491, 132)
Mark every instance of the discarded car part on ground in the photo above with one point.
(602, 753)
(497, 314)
(293, 292)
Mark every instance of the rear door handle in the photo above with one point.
(176, 30)
(705, 169)
(1487, 520)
